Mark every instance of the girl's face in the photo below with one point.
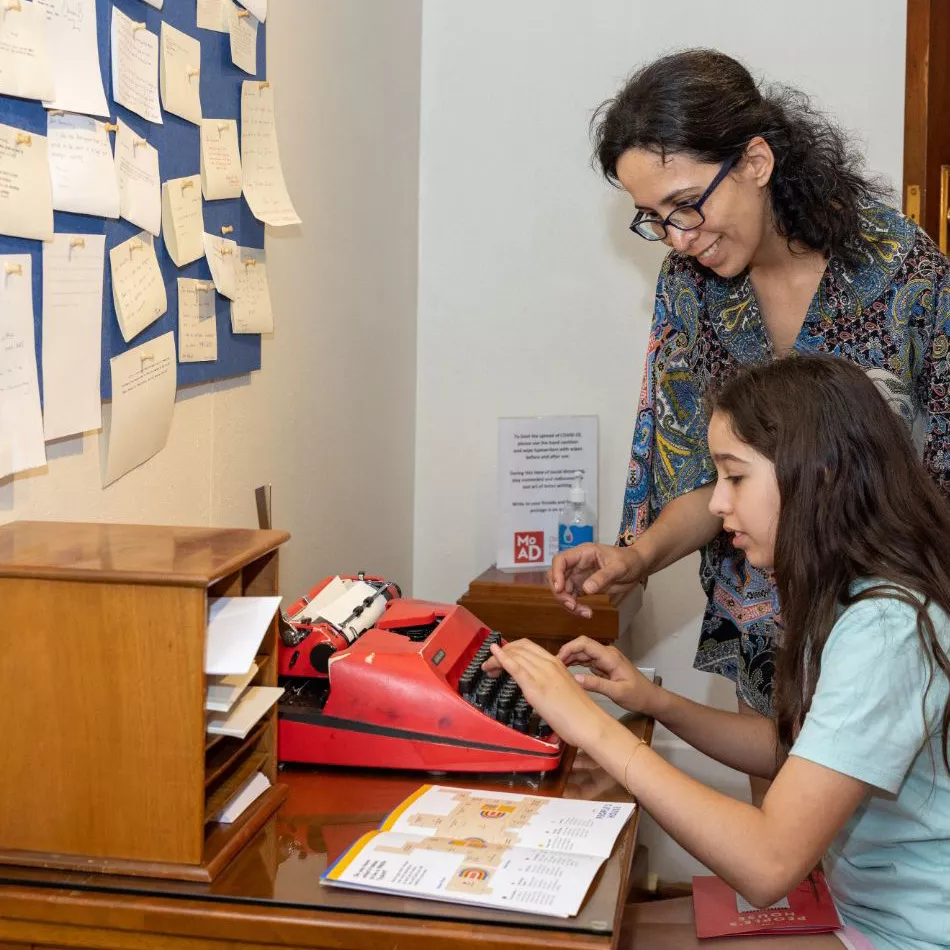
(746, 495)
(737, 212)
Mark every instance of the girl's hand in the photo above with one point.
(552, 691)
(611, 674)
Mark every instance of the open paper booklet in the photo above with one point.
(517, 852)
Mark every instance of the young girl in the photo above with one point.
(817, 479)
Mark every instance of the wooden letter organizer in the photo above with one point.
(104, 762)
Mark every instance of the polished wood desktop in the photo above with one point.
(271, 896)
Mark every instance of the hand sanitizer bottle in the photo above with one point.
(576, 521)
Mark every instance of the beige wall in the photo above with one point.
(329, 420)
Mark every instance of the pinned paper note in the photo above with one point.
(73, 37)
(135, 66)
(82, 169)
(138, 290)
(197, 323)
(257, 7)
(26, 199)
(220, 159)
(140, 188)
(213, 15)
(72, 333)
(25, 67)
(144, 381)
(180, 74)
(222, 255)
(21, 424)
(264, 186)
(251, 309)
(243, 29)
(182, 219)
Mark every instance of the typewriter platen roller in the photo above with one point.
(410, 693)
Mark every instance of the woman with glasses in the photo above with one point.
(779, 244)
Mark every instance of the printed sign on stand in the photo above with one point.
(537, 459)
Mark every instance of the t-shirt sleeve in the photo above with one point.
(669, 456)
(866, 718)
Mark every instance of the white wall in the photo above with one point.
(329, 420)
(533, 296)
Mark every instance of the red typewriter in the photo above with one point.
(406, 693)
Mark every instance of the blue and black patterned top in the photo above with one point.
(890, 315)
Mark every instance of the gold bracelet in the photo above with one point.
(626, 765)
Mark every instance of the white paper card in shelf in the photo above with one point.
(246, 795)
(246, 713)
(224, 691)
(236, 626)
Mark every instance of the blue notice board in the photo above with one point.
(177, 142)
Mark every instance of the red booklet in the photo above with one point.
(721, 912)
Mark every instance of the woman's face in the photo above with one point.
(746, 495)
(737, 212)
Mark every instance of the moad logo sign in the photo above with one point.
(529, 547)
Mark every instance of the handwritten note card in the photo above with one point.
(213, 15)
(144, 381)
(25, 67)
(197, 325)
(137, 287)
(74, 51)
(135, 67)
(264, 186)
(81, 166)
(220, 159)
(140, 188)
(179, 74)
(251, 309)
(72, 333)
(21, 424)
(182, 219)
(26, 199)
(222, 254)
(243, 29)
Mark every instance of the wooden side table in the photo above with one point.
(520, 604)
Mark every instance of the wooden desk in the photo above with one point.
(270, 895)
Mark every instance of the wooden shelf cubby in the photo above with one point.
(105, 760)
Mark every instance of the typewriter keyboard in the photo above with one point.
(499, 696)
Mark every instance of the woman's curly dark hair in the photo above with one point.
(706, 105)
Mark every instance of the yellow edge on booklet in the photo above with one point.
(393, 816)
(350, 855)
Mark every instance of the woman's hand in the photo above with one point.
(592, 568)
(611, 674)
(549, 687)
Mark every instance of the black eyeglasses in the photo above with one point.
(685, 217)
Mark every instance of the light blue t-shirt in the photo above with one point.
(889, 867)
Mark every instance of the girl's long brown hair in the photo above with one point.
(855, 502)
